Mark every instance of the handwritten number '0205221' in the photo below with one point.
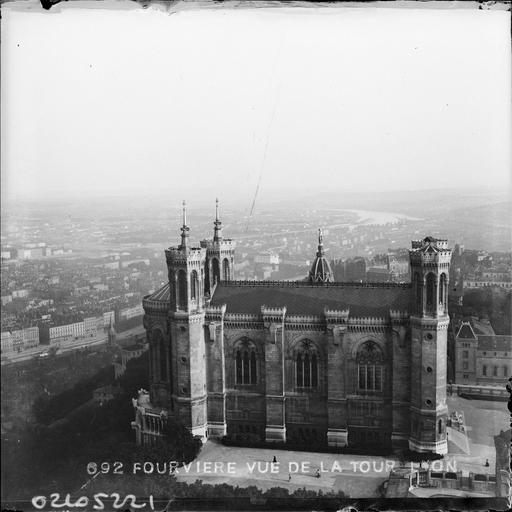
(54, 501)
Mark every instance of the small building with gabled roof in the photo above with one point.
(481, 356)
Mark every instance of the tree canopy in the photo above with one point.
(492, 303)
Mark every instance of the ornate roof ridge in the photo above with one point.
(304, 318)
(307, 284)
(243, 316)
(372, 320)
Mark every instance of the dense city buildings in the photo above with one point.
(480, 269)
(58, 300)
(310, 361)
(392, 267)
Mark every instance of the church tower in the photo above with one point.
(187, 375)
(220, 256)
(430, 263)
(320, 270)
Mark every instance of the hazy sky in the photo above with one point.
(201, 102)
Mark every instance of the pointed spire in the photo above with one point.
(217, 232)
(184, 229)
(321, 269)
(320, 251)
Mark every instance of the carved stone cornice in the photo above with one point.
(333, 316)
(398, 316)
(251, 326)
(273, 320)
(186, 318)
(439, 323)
(367, 324)
(214, 318)
(273, 315)
(312, 327)
(215, 313)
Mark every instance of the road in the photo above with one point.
(68, 346)
(64, 347)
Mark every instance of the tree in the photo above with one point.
(492, 303)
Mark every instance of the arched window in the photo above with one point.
(431, 291)
(163, 360)
(182, 289)
(215, 270)
(169, 367)
(306, 366)
(239, 369)
(299, 369)
(253, 367)
(370, 370)
(307, 371)
(207, 278)
(314, 369)
(225, 269)
(417, 289)
(443, 287)
(440, 427)
(194, 285)
(246, 367)
(161, 354)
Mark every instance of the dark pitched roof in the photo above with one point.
(304, 299)
(466, 332)
(501, 343)
(481, 327)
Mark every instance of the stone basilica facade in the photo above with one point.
(311, 361)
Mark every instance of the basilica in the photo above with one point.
(304, 362)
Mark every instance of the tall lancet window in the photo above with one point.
(160, 350)
(246, 363)
(225, 269)
(194, 285)
(306, 365)
(443, 289)
(431, 291)
(215, 270)
(417, 290)
(182, 289)
(370, 368)
(206, 281)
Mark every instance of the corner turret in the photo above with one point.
(220, 256)
(430, 265)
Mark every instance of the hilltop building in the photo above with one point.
(311, 361)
